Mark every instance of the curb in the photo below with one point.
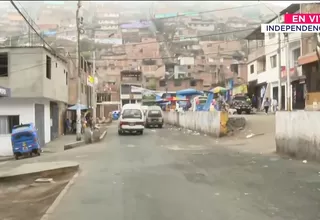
(57, 201)
(82, 143)
(3, 159)
(73, 145)
(103, 135)
(42, 174)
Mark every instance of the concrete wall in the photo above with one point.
(297, 134)
(25, 109)
(206, 122)
(27, 74)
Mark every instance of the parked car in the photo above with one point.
(131, 119)
(242, 104)
(154, 117)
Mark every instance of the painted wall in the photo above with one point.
(206, 122)
(27, 74)
(25, 109)
(297, 134)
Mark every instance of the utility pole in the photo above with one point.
(29, 32)
(279, 69)
(78, 137)
(286, 35)
(94, 92)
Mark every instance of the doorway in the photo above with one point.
(39, 122)
(54, 117)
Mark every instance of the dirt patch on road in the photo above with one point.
(27, 200)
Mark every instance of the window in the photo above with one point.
(273, 61)
(56, 65)
(177, 83)
(132, 113)
(3, 64)
(81, 62)
(7, 123)
(154, 113)
(271, 35)
(48, 67)
(251, 68)
(295, 56)
(67, 78)
(162, 83)
(193, 83)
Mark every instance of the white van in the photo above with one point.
(131, 119)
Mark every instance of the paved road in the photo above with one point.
(169, 174)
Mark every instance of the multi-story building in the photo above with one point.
(38, 80)
(310, 65)
(179, 84)
(264, 70)
(86, 88)
(109, 24)
(130, 78)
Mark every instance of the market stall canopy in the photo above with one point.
(219, 89)
(75, 107)
(174, 99)
(189, 92)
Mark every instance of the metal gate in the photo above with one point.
(54, 117)
(39, 122)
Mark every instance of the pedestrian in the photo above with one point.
(266, 105)
(254, 101)
(275, 105)
(67, 126)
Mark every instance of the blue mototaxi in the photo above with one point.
(25, 141)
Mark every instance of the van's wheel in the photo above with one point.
(120, 132)
(38, 152)
(160, 126)
(141, 132)
(16, 156)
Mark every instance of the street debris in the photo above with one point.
(130, 145)
(250, 135)
(274, 159)
(44, 180)
(304, 161)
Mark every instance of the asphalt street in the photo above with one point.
(170, 174)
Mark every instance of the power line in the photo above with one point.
(210, 11)
(30, 25)
(213, 53)
(151, 58)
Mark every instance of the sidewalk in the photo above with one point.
(54, 146)
(57, 145)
